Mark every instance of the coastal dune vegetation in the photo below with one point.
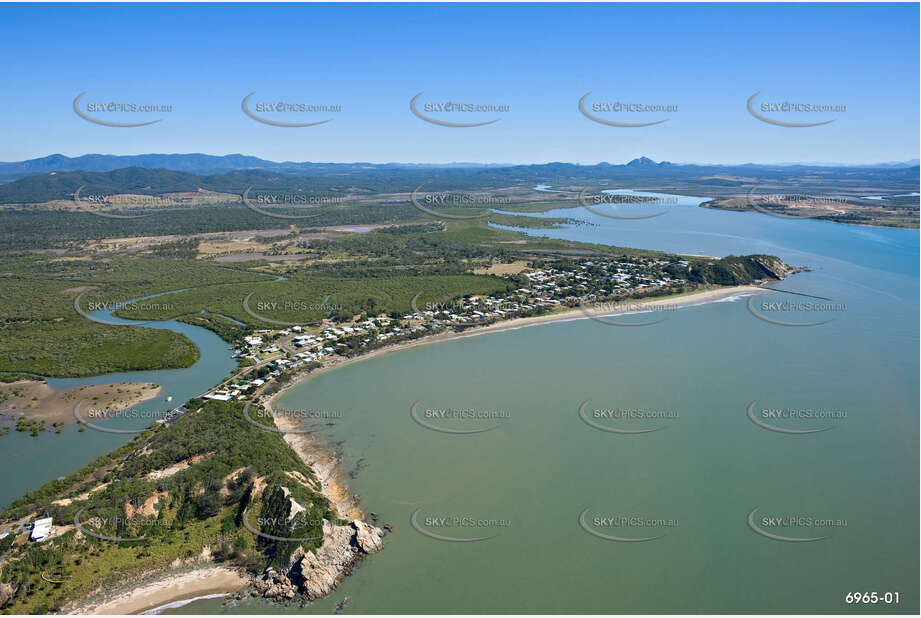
(172, 492)
(206, 484)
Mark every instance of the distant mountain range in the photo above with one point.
(196, 163)
(58, 177)
(890, 164)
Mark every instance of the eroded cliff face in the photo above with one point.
(740, 270)
(314, 574)
(773, 267)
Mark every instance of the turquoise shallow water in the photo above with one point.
(706, 469)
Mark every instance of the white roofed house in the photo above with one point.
(42, 529)
(220, 396)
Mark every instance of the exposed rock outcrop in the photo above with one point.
(367, 537)
(740, 270)
(774, 268)
(6, 593)
(314, 574)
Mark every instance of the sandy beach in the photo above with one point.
(673, 301)
(39, 401)
(169, 588)
(325, 464)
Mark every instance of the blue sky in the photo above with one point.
(539, 59)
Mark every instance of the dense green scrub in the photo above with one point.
(43, 333)
(25, 229)
(214, 496)
(305, 298)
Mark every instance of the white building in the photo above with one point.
(41, 529)
(220, 396)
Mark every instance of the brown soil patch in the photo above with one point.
(173, 469)
(36, 400)
(503, 269)
(148, 509)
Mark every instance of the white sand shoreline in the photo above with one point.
(169, 589)
(316, 455)
(680, 301)
(174, 604)
(211, 582)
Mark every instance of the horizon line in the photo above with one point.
(911, 162)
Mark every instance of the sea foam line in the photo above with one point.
(175, 604)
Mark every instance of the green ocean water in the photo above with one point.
(694, 481)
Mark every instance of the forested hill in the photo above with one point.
(369, 178)
(212, 479)
(196, 163)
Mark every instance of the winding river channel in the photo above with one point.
(712, 511)
(690, 504)
(48, 456)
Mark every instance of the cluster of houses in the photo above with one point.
(565, 282)
(242, 387)
(594, 278)
(561, 283)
